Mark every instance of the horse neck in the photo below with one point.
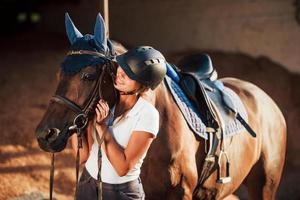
(174, 131)
(172, 122)
(163, 101)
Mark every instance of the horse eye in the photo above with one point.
(88, 77)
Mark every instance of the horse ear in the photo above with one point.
(111, 47)
(100, 33)
(72, 32)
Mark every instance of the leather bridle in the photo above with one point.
(82, 114)
(80, 121)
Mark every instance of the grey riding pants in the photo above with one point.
(87, 189)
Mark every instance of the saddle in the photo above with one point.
(193, 82)
(192, 79)
(198, 80)
(202, 67)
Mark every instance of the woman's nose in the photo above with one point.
(120, 74)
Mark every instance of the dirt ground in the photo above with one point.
(28, 66)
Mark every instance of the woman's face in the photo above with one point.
(124, 83)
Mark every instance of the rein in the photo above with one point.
(81, 119)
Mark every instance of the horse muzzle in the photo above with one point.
(52, 139)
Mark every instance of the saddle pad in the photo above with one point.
(187, 108)
(232, 125)
(193, 116)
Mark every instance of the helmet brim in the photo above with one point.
(122, 63)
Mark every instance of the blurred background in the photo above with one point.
(255, 40)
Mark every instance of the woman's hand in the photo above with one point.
(102, 111)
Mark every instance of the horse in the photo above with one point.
(174, 161)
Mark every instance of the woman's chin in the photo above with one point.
(120, 89)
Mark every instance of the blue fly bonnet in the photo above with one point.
(99, 43)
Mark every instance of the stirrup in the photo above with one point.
(223, 179)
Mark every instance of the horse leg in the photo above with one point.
(184, 178)
(183, 170)
(190, 160)
(264, 178)
(255, 181)
(263, 181)
(189, 178)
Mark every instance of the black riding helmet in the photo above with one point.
(144, 64)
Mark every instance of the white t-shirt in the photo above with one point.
(143, 116)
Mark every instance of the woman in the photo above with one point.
(128, 131)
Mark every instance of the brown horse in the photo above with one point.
(175, 158)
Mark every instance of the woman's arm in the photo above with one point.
(123, 160)
(87, 142)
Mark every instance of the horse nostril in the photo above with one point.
(52, 132)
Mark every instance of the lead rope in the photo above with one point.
(99, 180)
(51, 175)
(79, 146)
(79, 124)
